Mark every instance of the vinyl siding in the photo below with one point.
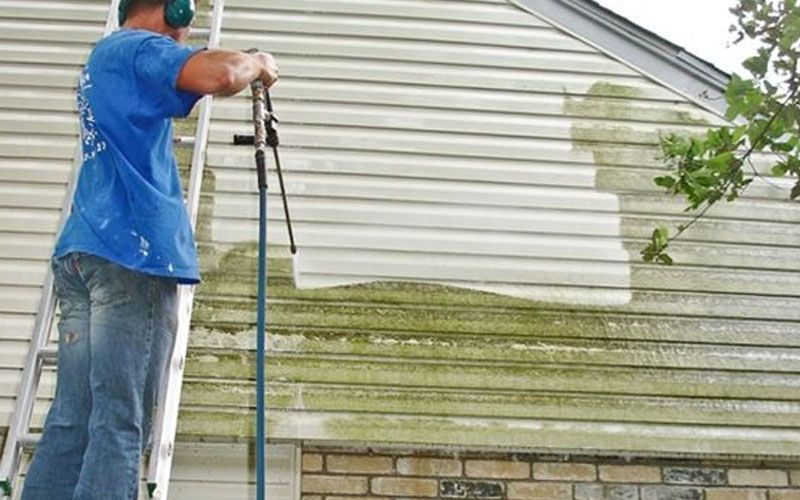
(437, 152)
(470, 188)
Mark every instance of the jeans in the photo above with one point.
(116, 335)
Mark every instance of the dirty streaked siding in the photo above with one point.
(436, 151)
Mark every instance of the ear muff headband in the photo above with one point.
(177, 13)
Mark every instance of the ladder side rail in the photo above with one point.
(166, 420)
(29, 383)
(26, 394)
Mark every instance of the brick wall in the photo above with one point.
(345, 473)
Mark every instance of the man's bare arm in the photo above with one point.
(226, 72)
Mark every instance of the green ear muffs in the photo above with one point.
(177, 13)
(122, 11)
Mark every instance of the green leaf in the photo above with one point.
(703, 178)
(654, 252)
(752, 102)
(792, 114)
(756, 133)
(697, 148)
(661, 236)
(664, 181)
(665, 259)
(733, 111)
(757, 65)
(781, 147)
(737, 86)
(791, 31)
(795, 191)
(780, 169)
(739, 133)
(674, 146)
(721, 163)
(793, 165)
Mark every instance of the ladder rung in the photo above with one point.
(48, 355)
(29, 440)
(184, 141)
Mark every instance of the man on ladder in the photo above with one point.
(125, 248)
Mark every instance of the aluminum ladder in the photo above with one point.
(19, 437)
(166, 419)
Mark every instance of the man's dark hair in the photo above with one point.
(177, 13)
(133, 5)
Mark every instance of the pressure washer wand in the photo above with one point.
(266, 134)
(260, 140)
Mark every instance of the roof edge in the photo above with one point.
(667, 63)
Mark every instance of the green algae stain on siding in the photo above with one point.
(618, 128)
(434, 336)
(622, 135)
(608, 101)
(457, 432)
(431, 430)
(593, 132)
(349, 320)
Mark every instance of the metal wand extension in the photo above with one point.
(260, 142)
(266, 134)
(271, 124)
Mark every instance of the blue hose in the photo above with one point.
(261, 467)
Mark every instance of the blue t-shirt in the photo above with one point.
(128, 205)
